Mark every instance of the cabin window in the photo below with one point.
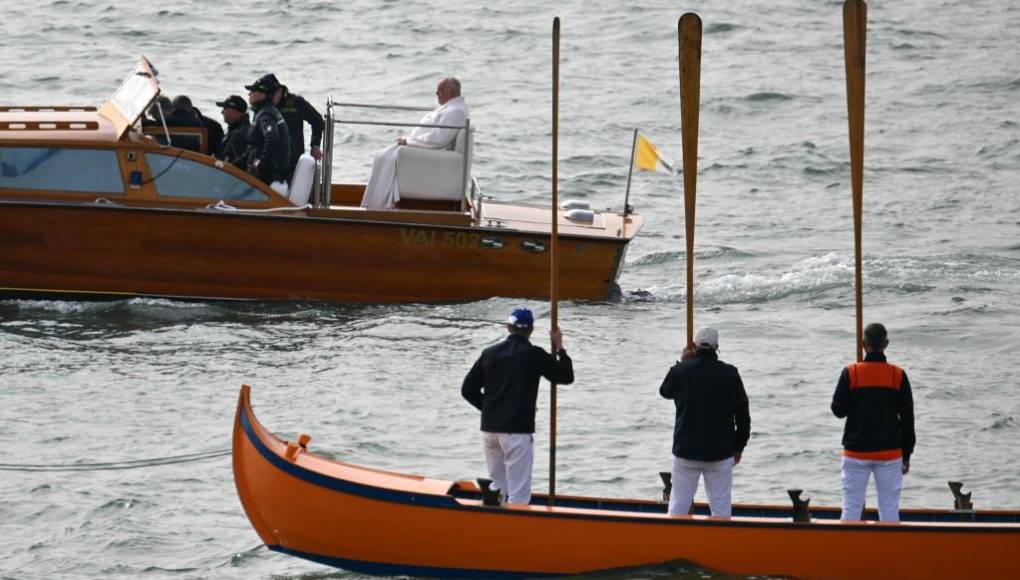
(178, 177)
(81, 170)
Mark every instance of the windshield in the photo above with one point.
(133, 97)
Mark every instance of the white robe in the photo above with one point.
(381, 191)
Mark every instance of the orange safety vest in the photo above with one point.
(875, 375)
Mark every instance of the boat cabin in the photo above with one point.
(89, 154)
(67, 153)
(108, 155)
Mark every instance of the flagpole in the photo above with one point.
(630, 171)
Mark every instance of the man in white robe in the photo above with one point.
(381, 191)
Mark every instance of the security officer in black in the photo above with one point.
(268, 138)
(235, 142)
(297, 111)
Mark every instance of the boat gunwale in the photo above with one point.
(295, 213)
(248, 421)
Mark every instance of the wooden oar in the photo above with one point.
(689, 38)
(855, 25)
(554, 276)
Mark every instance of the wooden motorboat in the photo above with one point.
(377, 522)
(92, 205)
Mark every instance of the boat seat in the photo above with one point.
(302, 180)
(191, 138)
(434, 175)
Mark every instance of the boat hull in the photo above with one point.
(98, 250)
(384, 523)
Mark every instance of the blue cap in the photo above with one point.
(521, 318)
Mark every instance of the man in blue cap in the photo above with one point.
(503, 385)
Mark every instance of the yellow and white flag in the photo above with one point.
(647, 157)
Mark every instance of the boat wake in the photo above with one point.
(830, 277)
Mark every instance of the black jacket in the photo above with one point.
(503, 383)
(295, 110)
(215, 131)
(877, 418)
(268, 145)
(235, 144)
(713, 421)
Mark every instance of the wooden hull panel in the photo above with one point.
(386, 523)
(89, 249)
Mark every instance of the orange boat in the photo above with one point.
(376, 522)
(95, 205)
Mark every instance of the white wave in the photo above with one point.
(813, 275)
(60, 306)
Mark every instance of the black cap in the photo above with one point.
(266, 84)
(234, 101)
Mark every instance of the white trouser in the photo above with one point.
(381, 190)
(509, 457)
(888, 483)
(718, 485)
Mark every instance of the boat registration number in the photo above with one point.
(416, 237)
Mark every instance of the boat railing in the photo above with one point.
(322, 197)
(476, 199)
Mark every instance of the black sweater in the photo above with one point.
(503, 383)
(713, 421)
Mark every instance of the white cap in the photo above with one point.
(707, 337)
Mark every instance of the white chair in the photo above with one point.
(434, 174)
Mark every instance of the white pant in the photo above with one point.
(509, 457)
(888, 484)
(718, 485)
(381, 191)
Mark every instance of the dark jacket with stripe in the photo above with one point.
(874, 397)
(268, 144)
(503, 383)
(713, 419)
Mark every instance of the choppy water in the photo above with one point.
(379, 385)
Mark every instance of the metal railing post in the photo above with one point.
(467, 156)
(324, 199)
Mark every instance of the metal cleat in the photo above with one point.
(490, 497)
(801, 513)
(962, 506)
